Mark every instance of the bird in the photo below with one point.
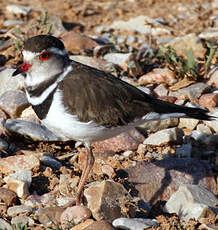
(81, 103)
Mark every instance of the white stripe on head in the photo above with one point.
(28, 55)
(54, 50)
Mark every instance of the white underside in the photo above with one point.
(68, 127)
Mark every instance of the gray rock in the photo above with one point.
(22, 220)
(8, 82)
(51, 162)
(13, 102)
(193, 91)
(118, 58)
(8, 23)
(18, 209)
(165, 136)
(161, 90)
(57, 28)
(18, 9)
(211, 33)
(188, 123)
(21, 175)
(155, 126)
(197, 136)
(30, 129)
(192, 201)
(5, 225)
(134, 223)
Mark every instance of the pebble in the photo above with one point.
(178, 170)
(99, 225)
(9, 23)
(191, 201)
(51, 162)
(83, 225)
(7, 196)
(193, 92)
(120, 59)
(22, 175)
(57, 28)
(36, 200)
(5, 225)
(108, 170)
(165, 136)
(209, 100)
(188, 123)
(13, 102)
(8, 82)
(134, 223)
(30, 129)
(19, 209)
(19, 187)
(158, 76)
(18, 9)
(18, 162)
(211, 33)
(203, 128)
(62, 201)
(22, 220)
(161, 90)
(103, 199)
(75, 214)
(213, 77)
(155, 126)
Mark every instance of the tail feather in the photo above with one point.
(164, 107)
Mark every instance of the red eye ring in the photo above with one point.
(44, 56)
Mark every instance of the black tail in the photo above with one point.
(164, 107)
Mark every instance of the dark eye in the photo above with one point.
(44, 56)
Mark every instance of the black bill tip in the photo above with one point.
(16, 72)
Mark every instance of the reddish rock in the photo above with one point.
(83, 225)
(8, 197)
(158, 76)
(13, 102)
(100, 225)
(76, 42)
(75, 214)
(170, 99)
(18, 162)
(123, 142)
(209, 100)
(103, 199)
(160, 179)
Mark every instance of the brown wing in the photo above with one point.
(95, 95)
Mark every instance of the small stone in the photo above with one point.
(161, 90)
(76, 42)
(13, 102)
(18, 9)
(108, 170)
(75, 214)
(10, 23)
(155, 126)
(213, 77)
(19, 209)
(18, 162)
(57, 28)
(123, 142)
(188, 123)
(165, 136)
(5, 225)
(99, 225)
(192, 201)
(7, 196)
(103, 199)
(170, 99)
(158, 76)
(209, 100)
(22, 220)
(30, 129)
(47, 215)
(36, 200)
(141, 149)
(134, 223)
(63, 201)
(120, 59)
(211, 33)
(9, 83)
(29, 114)
(21, 175)
(213, 125)
(203, 128)
(83, 225)
(51, 162)
(193, 92)
(19, 187)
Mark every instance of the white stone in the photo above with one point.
(165, 136)
(118, 58)
(134, 223)
(191, 201)
(188, 123)
(18, 209)
(5, 225)
(17, 9)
